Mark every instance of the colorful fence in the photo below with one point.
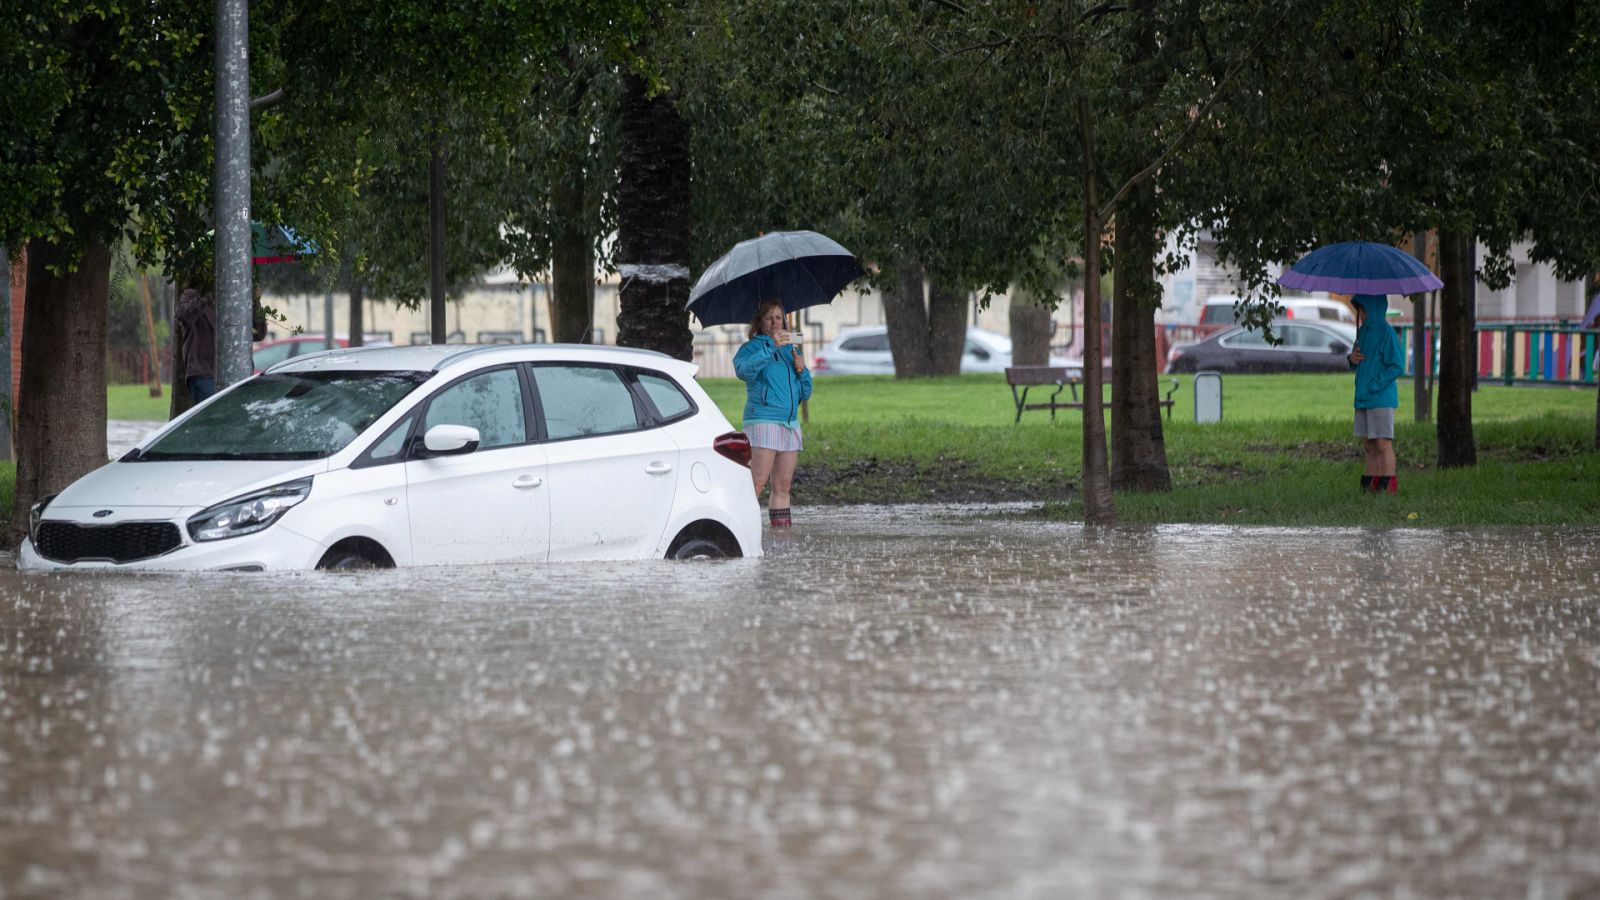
(1522, 353)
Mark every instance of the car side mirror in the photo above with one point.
(1338, 347)
(979, 353)
(450, 440)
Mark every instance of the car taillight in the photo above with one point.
(734, 445)
(820, 366)
(1288, 312)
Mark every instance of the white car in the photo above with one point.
(865, 351)
(422, 455)
(1219, 310)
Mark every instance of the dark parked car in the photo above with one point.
(1307, 347)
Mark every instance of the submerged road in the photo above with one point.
(911, 702)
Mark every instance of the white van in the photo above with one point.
(1219, 310)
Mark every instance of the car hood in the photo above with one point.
(180, 483)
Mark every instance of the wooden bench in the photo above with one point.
(1062, 379)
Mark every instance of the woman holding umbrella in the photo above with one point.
(773, 274)
(776, 381)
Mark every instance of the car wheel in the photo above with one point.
(698, 548)
(346, 560)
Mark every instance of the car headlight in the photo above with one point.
(248, 514)
(34, 515)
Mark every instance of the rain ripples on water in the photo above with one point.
(913, 702)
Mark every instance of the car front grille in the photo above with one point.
(66, 542)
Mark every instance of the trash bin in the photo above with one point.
(1208, 397)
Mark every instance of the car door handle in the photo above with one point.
(527, 481)
(658, 468)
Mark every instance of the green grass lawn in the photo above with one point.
(1283, 454)
(133, 402)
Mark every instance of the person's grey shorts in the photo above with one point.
(1375, 423)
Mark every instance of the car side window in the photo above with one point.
(267, 357)
(1296, 337)
(667, 396)
(393, 444)
(491, 403)
(580, 401)
(1246, 338)
(975, 351)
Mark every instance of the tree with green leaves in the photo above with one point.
(107, 138)
(364, 149)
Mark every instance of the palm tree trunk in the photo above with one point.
(653, 224)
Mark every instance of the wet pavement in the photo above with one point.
(123, 435)
(895, 703)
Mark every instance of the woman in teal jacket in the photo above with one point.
(776, 379)
(1377, 360)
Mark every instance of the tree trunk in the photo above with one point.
(358, 318)
(925, 338)
(653, 224)
(905, 314)
(1457, 349)
(947, 328)
(181, 401)
(1098, 507)
(1138, 447)
(1029, 320)
(436, 211)
(61, 410)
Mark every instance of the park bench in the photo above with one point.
(1062, 379)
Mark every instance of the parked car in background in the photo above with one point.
(424, 455)
(269, 353)
(1219, 311)
(865, 351)
(1307, 347)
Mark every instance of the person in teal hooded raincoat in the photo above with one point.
(776, 381)
(1378, 360)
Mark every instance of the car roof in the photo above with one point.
(441, 357)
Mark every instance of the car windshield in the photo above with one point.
(303, 415)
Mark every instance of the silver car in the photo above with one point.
(865, 351)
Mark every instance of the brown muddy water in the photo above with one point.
(907, 702)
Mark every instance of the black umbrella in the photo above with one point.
(801, 268)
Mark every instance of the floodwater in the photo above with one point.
(911, 702)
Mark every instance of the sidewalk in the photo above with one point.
(122, 435)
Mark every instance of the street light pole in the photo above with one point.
(232, 191)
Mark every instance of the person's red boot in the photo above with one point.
(1394, 484)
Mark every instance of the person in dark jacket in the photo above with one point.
(196, 314)
(1378, 360)
(776, 380)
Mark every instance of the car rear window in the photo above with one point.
(866, 343)
(669, 399)
(305, 415)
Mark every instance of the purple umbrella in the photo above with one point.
(1360, 267)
